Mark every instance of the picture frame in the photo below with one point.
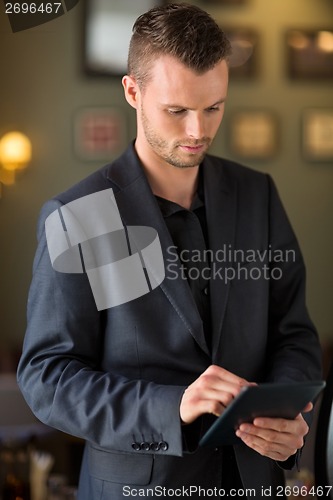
(310, 54)
(254, 134)
(317, 134)
(107, 32)
(243, 62)
(100, 133)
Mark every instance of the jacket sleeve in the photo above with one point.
(59, 371)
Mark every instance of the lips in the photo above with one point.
(193, 149)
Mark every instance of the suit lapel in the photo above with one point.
(220, 202)
(138, 207)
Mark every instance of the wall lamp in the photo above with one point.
(15, 154)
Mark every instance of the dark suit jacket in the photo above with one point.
(116, 377)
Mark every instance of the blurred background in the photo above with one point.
(64, 93)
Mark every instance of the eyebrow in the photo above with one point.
(221, 101)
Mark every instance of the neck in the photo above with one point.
(172, 183)
(177, 186)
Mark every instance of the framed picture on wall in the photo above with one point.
(317, 134)
(310, 54)
(99, 133)
(107, 32)
(244, 58)
(253, 134)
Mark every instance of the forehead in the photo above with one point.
(170, 80)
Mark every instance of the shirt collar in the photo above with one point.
(169, 207)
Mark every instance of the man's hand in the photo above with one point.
(210, 393)
(275, 438)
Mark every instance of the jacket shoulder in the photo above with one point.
(231, 175)
(236, 170)
(122, 170)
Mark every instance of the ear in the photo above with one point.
(131, 90)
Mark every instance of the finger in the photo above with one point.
(308, 408)
(225, 375)
(273, 450)
(191, 410)
(292, 440)
(289, 433)
(194, 395)
(298, 426)
(210, 393)
(277, 445)
(212, 386)
(222, 380)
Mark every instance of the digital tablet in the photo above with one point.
(283, 400)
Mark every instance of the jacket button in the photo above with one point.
(136, 446)
(154, 446)
(163, 445)
(145, 446)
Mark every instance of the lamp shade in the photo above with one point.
(15, 151)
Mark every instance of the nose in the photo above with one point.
(195, 126)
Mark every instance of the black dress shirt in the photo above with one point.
(189, 233)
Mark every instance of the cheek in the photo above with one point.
(170, 127)
(162, 124)
(216, 122)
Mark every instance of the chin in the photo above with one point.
(191, 162)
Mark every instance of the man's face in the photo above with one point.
(179, 112)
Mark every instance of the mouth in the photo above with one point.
(193, 149)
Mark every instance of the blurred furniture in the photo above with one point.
(17, 428)
(324, 439)
(17, 422)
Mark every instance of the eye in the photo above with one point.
(214, 108)
(176, 111)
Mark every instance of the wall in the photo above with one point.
(42, 86)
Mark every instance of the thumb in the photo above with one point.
(308, 408)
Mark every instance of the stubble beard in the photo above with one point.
(171, 153)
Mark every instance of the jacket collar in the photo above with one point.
(221, 212)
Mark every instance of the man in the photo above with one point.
(141, 381)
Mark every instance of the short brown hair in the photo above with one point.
(183, 31)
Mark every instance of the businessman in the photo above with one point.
(141, 381)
